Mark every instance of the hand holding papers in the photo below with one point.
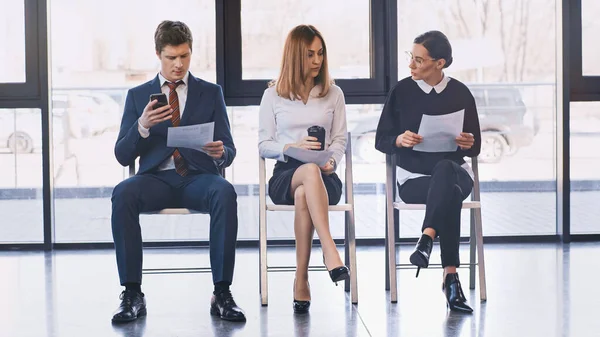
(465, 140)
(191, 136)
(214, 149)
(440, 132)
(309, 156)
(408, 139)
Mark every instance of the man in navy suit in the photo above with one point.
(174, 177)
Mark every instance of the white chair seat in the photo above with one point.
(289, 208)
(175, 211)
(403, 206)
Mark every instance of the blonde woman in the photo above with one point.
(304, 96)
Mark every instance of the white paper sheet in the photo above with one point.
(440, 132)
(309, 156)
(191, 136)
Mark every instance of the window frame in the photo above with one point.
(384, 67)
(583, 88)
(35, 93)
(11, 92)
(573, 86)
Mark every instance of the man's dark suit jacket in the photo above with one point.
(204, 104)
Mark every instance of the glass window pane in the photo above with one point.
(265, 25)
(93, 66)
(21, 176)
(12, 40)
(585, 161)
(114, 49)
(479, 95)
(513, 82)
(590, 29)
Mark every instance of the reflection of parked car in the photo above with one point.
(83, 114)
(20, 129)
(87, 113)
(502, 116)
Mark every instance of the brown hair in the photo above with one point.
(292, 73)
(172, 33)
(437, 46)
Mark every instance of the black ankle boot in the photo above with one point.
(420, 257)
(455, 298)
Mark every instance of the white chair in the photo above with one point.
(349, 241)
(476, 235)
(173, 211)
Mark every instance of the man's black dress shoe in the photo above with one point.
(133, 306)
(223, 305)
(422, 253)
(455, 298)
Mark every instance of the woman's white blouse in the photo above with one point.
(283, 121)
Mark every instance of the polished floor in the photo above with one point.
(533, 290)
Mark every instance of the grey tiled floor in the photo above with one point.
(533, 290)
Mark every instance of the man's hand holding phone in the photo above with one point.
(157, 111)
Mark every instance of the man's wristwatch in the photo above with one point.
(333, 163)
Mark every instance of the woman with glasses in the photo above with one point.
(304, 98)
(437, 177)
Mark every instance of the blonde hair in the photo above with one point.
(292, 73)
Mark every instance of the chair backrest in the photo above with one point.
(348, 179)
(390, 178)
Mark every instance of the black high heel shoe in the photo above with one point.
(455, 298)
(300, 307)
(338, 274)
(422, 252)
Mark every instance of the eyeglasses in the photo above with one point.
(410, 58)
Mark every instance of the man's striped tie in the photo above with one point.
(180, 165)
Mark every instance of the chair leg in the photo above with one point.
(347, 251)
(263, 257)
(390, 239)
(472, 244)
(351, 255)
(480, 257)
(390, 248)
(387, 251)
(387, 262)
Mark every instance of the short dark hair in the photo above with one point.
(172, 33)
(437, 45)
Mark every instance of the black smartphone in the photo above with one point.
(161, 98)
(319, 133)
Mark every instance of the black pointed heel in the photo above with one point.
(422, 252)
(300, 307)
(455, 298)
(338, 274)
